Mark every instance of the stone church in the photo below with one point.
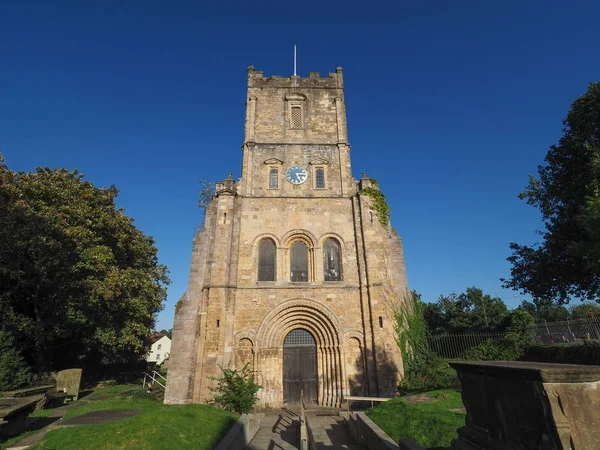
(296, 271)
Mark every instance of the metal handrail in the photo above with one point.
(304, 440)
(155, 372)
(154, 380)
(302, 404)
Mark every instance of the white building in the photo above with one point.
(159, 351)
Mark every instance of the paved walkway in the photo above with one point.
(280, 430)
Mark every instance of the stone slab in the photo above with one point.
(532, 371)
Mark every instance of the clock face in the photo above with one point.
(296, 175)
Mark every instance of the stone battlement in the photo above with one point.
(333, 81)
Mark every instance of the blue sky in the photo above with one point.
(450, 106)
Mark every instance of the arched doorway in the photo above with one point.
(300, 367)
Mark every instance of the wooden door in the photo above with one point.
(300, 367)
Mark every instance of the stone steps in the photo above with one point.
(331, 433)
(281, 430)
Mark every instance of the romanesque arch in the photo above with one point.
(322, 323)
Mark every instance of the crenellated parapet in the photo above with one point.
(257, 79)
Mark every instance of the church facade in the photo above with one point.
(297, 271)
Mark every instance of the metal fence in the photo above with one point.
(578, 331)
(453, 345)
(566, 332)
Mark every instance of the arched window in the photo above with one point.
(332, 260)
(266, 260)
(299, 262)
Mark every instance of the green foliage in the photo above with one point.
(470, 311)
(431, 425)
(236, 390)
(587, 354)
(423, 370)
(14, 371)
(378, 203)
(584, 310)
(545, 310)
(566, 264)
(509, 348)
(78, 281)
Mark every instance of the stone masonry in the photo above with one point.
(229, 318)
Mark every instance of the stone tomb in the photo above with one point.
(529, 405)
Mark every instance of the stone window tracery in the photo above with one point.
(267, 260)
(332, 260)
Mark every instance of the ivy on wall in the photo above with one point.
(378, 203)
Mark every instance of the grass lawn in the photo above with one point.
(432, 425)
(157, 427)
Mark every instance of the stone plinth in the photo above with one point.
(529, 405)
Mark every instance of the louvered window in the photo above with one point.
(296, 117)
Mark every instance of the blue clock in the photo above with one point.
(296, 175)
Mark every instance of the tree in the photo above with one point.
(566, 264)
(469, 311)
(14, 371)
(584, 311)
(77, 279)
(544, 310)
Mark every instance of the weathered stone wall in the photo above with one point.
(186, 327)
(273, 97)
(229, 318)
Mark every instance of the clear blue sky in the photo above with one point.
(450, 106)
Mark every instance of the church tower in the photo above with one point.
(297, 271)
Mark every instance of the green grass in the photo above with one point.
(14, 440)
(432, 425)
(159, 426)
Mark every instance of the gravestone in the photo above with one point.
(69, 382)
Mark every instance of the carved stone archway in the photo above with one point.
(322, 323)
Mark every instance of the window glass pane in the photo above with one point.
(320, 178)
(299, 261)
(296, 119)
(266, 260)
(332, 266)
(299, 337)
(273, 179)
